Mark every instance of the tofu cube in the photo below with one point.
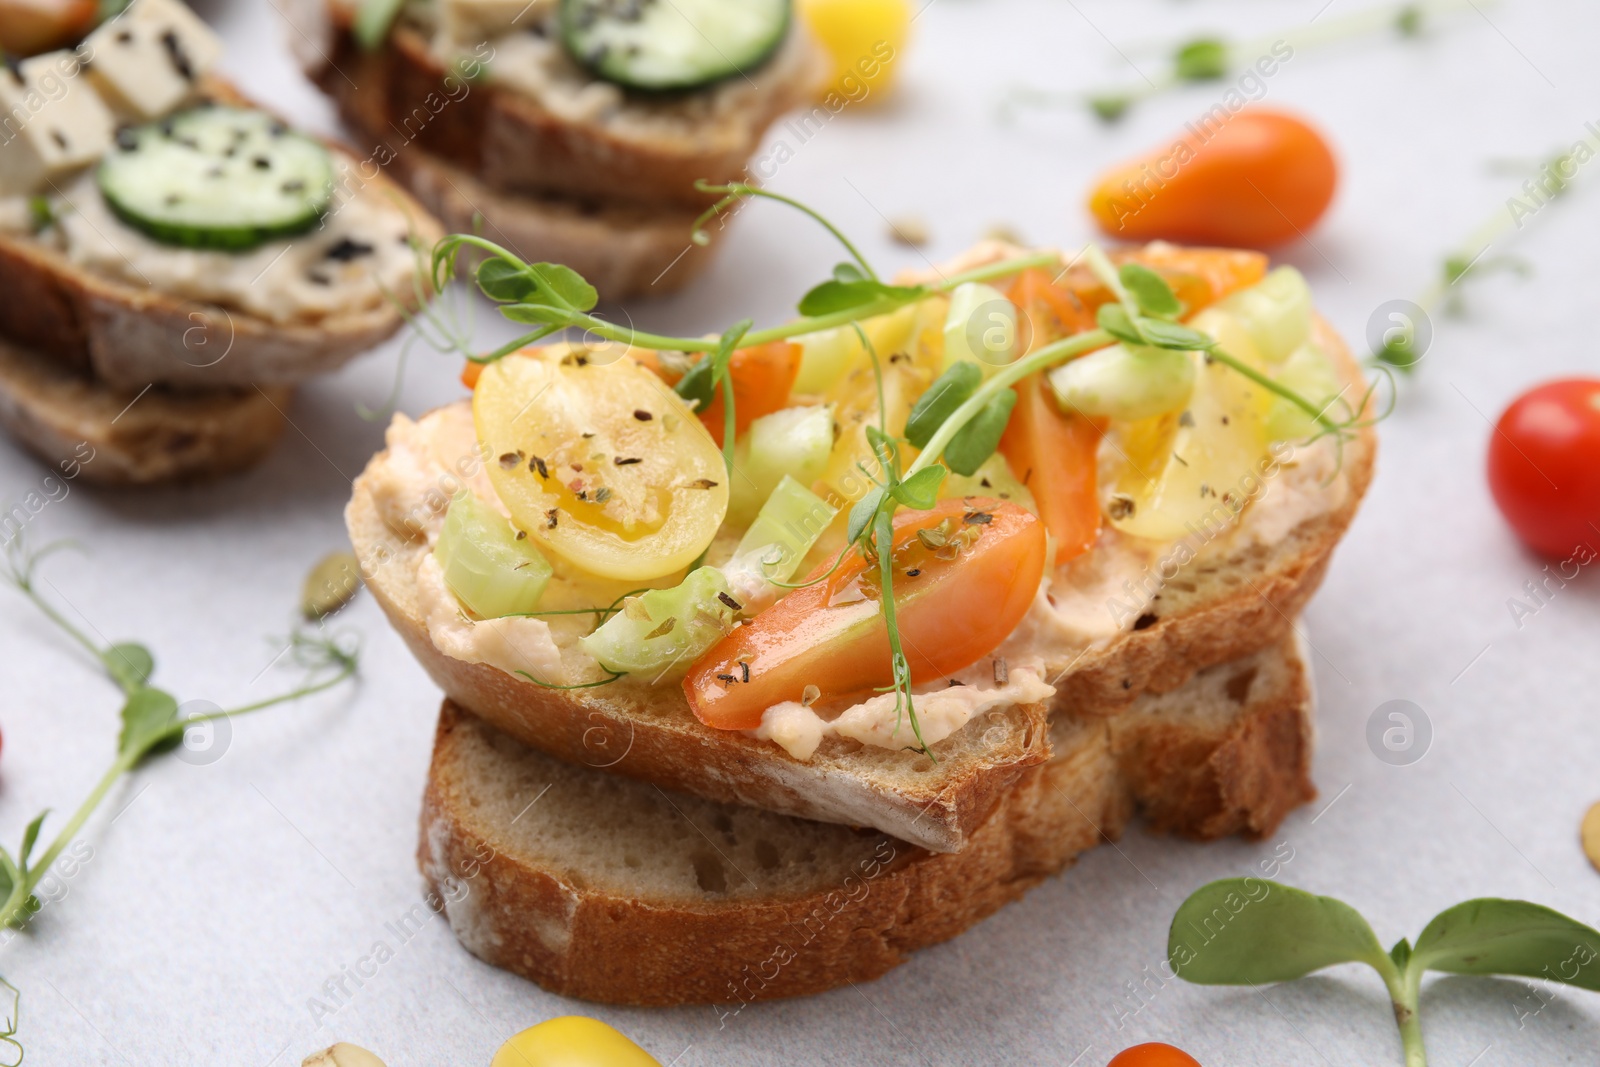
(470, 22)
(52, 122)
(147, 61)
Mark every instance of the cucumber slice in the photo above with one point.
(794, 441)
(666, 629)
(790, 523)
(661, 45)
(217, 177)
(486, 565)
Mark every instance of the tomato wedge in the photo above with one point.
(1056, 455)
(965, 574)
(762, 379)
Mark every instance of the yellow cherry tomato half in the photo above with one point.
(600, 462)
(864, 40)
(1153, 1054)
(572, 1041)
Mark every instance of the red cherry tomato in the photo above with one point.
(1544, 466)
(1154, 1054)
(1257, 179)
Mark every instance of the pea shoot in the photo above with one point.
(956, 425)
(1246, 931)
(150, 719)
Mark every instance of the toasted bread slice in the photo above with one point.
(128, 335)
(623, 250)
(607, 889)
(627, 147)
(86, 430)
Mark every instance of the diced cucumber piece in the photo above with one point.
(672, 44)
(486, 565)
(788, 527)
(1309, 372)
(793, 442)
(217, 177)
(666, 629)
(1275, 312)
(993, 479)
(1125, 383)
(981, 325)
(825, 357)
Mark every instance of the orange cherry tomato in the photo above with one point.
(28, 27)
(470, 373)
(1055, 454)
(1544, 467)
(1256, 179)
(762, 378)
(1153, 1054)
(951, 612)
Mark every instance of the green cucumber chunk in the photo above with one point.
(1275, 312)
(790, 523)
(217, 177)
(491, 570)
(793, 442)
(665, 629)
(1123, 382)
(1309, 372)
(661, 45)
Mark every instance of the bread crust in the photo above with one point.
(87, 431)
(128, 336)
(1200, 776)
(516, 145)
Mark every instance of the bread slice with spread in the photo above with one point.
(572, 558)
(158, 230)
(576, 132)
(607, 889)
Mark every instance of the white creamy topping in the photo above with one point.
(509, 644)
(940, 713)
(292, 280)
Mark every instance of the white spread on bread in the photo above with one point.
(941, 711)
(346, 265)
(1077, 605)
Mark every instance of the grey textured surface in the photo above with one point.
(225, 896)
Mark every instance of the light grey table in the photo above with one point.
(225, 896)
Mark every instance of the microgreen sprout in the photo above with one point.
(1245, 931)
(150, 720)
(1472, 259)
(956, 425)
(1208, 58)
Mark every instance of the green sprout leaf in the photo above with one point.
(1110, 107)
(1115, 320)
(1245, 931)
(1151, 291)
(147, 720)
(940, 400)
(129, 664)
(372, 22)
(1204, 59)
(834, 296)
(1159, 333)
(30, 837)
(977, 440)
(1492, 936)
(920, 491)
(848, 272)
(698, 386)
(505, 282)
(862, 514)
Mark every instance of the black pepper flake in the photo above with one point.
(59, 138)
(509, 460)
(537, 464)
(522, 535)
(955, 682)
(178, 57)
(913, 572)
(1120, 507)
(728, 600)
(1224, 420)
(295, 186)
(345, 250)
(1186, 420)
(744, 669)
(642, 415)
(601, 495)
(1145, 621)
(729, 678)
(627, 461)
(316, 277)
(550, 518)
(586, 436)
(262, 163)
(702, 483)
(977, 518)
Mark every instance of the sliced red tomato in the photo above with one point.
(762, 378)
(953, 606)
(1055, 454)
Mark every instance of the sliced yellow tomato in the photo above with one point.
(1198, 467)
(965, 573)
(603, 463)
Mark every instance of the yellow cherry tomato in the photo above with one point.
(572, 1041)
(600, 461)
(865, 40)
